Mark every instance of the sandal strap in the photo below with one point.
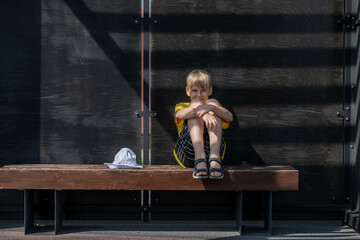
(216, 169)
(197, 170)
(215, 160)
(200, 160)
(220, 170)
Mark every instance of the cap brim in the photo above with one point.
(112, 165)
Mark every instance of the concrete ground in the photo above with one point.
(180, 230)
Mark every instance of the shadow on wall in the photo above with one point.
(20, 79)
(355, 127)
(20, 63)
(239, 138)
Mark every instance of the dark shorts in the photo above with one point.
(184, 151)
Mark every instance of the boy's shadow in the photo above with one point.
(239, 151)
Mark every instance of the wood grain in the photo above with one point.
(99, 177)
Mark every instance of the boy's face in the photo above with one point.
(197, 92)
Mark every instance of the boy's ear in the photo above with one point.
(188, 91)
(210, 90)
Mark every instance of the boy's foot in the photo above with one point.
(216, 170)
(200, 169)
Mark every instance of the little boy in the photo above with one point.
(200, 124)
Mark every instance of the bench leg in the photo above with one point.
(268, 214)
(58, 211)
(145, 204)
(239, 200)
(28, 211)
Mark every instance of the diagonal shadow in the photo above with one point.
(247, 23)
(252, 58)
(355, 124)
(20, 78)
(271, 96)
(221, 23)
(90, 21)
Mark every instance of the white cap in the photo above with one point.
(125, 158)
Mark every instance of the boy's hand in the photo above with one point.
(210, 121)
(201, 110)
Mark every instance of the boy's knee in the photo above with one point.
(196, 102)
(212, 102)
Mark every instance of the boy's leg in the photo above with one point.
(215, 140)
(196, 129)
(215, 144)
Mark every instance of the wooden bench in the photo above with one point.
(159, 177)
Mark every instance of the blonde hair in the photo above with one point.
(198, 78)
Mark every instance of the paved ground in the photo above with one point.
(182, 230)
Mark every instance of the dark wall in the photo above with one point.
(20, 66)
(70, 86)
(278, 66)
(71, 81)
(90, 82)
(20, 45)
(355, 111)
(90, 91)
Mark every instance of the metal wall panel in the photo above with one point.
(20, 45)
(277, 65)
(70, 86)
(356, 112)
(90, 89)
(352, 106)
(90, 80)
(354, 79)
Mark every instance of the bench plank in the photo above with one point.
(156, 177)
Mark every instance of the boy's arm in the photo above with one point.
(219, 111)
(222, 113)
(185, 113)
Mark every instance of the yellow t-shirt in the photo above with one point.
(179, 123)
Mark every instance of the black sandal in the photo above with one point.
(197, 170)
(220, 170)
